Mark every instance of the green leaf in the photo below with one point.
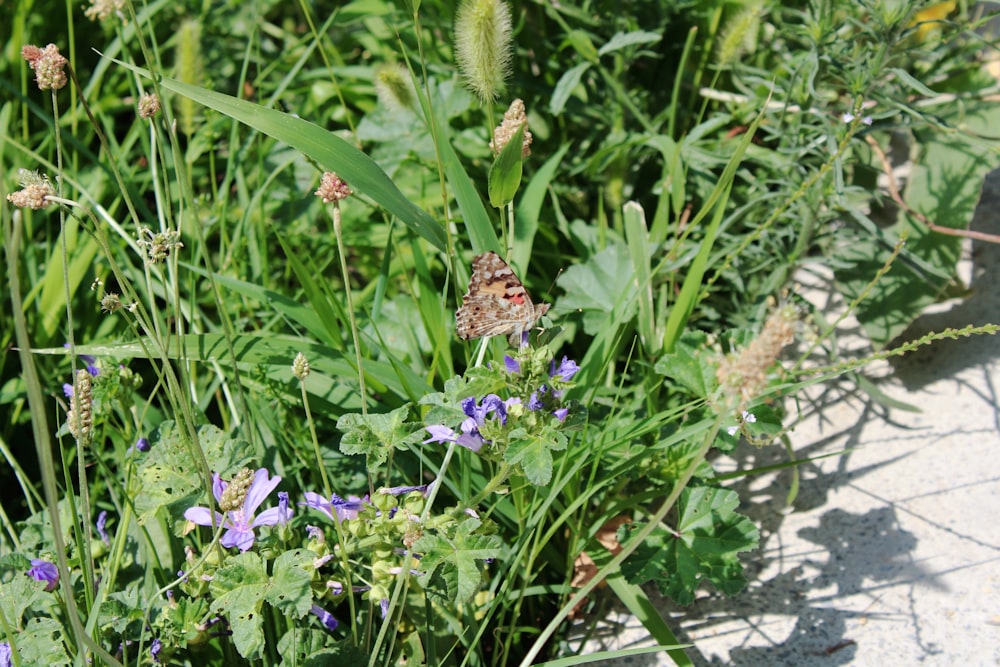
(239, 589)
(289, 592)
(456, 555)
(690, 365)
(41, 643)
(599, 287)
(565, 87)
(375, 434)
(534, 455)
(944, 185)
(623, 39)
(506, 171)
(709, 535)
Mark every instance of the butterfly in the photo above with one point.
(496, 302)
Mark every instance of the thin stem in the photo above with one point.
(350, 307)
(312, 432)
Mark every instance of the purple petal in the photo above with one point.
(284, 514)
(154, 650)
(269, 517)
(439, 433)
(218, 486)
(102, 521)
(325, 617)
(567, 369)
(259, 490)
(512, 364)
(402, 490)
(472, 441)
(235, 537)
(561, 413)
(43, 570)
(202, 516)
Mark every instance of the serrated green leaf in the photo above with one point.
(709, 535)
(600, 286)
(375, 434)
(40, 642)
(239, 589)
(456, 556)
(534, 455)
(290, 592)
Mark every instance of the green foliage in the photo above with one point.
(703, 545)
(687, 160)
(456, 554)
(375, 435)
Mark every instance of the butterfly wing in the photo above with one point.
(496, 303)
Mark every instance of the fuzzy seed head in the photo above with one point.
(48, 64)
(746, 372)
(34, 191)
(394, 87)
(111, 302)
(332, 188)
(100, 10)
(739, 35)
(300, 366)
(149, 105)
(483, 46)
(512, 119)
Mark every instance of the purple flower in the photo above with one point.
(384, 604)
(142, 445)
(535, 400)
(102, 520)
(567, 369)
(336, 508)
(43, 570)
(469, 438)
(403, 490)
(561, 413)
(68, 389)
(512, 364)
(329, 622)
(240, 522)
(491, 404)
(154, 650)
(284, 514)
(5, 657)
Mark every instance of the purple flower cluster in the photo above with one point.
(492, 408)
